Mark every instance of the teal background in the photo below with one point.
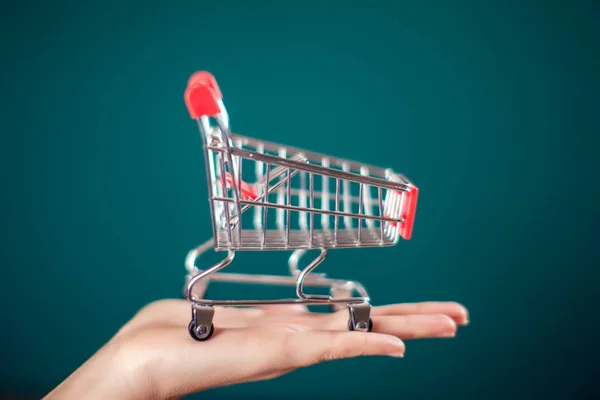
(491, 108)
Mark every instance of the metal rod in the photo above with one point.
(281, 193)
(239, 219)
(225, 204)
(289, 204)
(324, 195)
(360, 210)
(265, 209)
(311, 222)
(250, 303)
(311, 280)
(259, 174)
(368, 200)
(305, 209)
(223, 122)
(300, 285)
(316, 169)
(220, 265)
(302, 201)
(380, 200)
(314, 156)
(208, 169)
(337, 208)
(347, 203)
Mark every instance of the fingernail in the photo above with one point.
(399, 344)
(446, 335)
(395, 341)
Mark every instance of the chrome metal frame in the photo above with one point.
(355, 222)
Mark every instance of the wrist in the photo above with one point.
(103, 376)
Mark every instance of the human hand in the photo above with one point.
(154, 357)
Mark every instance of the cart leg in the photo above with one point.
(202, 275)
(295, 260)
(305, 272)
(199, 289)
(201, 327)
(360, 317)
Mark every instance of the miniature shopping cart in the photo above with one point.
(268, 197)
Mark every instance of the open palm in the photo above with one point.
(153, 355)
(260, 343)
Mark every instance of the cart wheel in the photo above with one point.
(200, 336)
(351, 326)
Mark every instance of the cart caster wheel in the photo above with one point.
(352, 327)
(200, 334)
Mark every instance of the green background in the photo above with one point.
(491, 108)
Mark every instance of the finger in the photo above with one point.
(404, 326)
(416, 326)
(303, 349)
(284, 308)
(454, 310)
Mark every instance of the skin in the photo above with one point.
(153, 356)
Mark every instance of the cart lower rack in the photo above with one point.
(265, 196)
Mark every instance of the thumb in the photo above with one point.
(313, 347)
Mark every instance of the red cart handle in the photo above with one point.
(205, 76)
(202, 95)
(407, 214)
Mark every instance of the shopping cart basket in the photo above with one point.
(265, 196)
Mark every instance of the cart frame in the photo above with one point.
(230, 197)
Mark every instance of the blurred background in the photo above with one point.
(489, 107)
